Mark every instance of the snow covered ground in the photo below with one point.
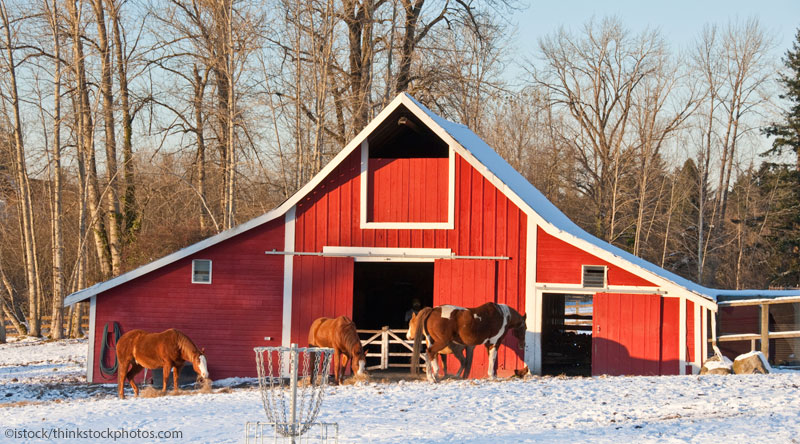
(42, 389)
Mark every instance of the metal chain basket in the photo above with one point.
(291, 406)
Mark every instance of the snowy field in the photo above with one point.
(42, 389)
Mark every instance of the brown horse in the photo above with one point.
(486, 324)
(340, 335)
(170, 349)
(463, 353)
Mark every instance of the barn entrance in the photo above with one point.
(384, 291)
(567, 334)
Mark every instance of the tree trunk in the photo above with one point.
(22, 184)
(130, 214)
(199, 129)
(86, 144)
(107, 93)
(56, 330)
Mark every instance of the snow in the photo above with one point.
(724, 362)
(50, 393)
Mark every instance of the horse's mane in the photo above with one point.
(350, 335)
(187, 347)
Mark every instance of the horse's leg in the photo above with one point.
(335, 366)
(176, 372)
(165, 376)
(342, 367)
(122, 372)
(468, 349)
(135, 369)
(492, 359)
(444, 363)
(459, 354)
(433, 366)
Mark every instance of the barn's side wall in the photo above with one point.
(486, 223)
(561, 263)
(228, 317)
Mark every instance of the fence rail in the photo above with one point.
(764, 335)
(384, 339)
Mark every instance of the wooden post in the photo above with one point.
(384, 348)
(765, 330)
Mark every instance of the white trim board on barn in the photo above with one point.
(473, 149)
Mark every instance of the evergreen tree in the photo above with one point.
(787, 133)
(781, 183)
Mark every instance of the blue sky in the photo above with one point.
(679, 20)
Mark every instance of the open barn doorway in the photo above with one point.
(384, 291)
(567, 334)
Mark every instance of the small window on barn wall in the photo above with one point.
(594, 276)
(201, 271)
(407, 176)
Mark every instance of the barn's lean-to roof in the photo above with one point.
(469, 144)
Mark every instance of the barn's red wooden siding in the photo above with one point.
(624, 329)
(690, 333)
(486, 223)
(323, 286)
(228, 317)
(407, 190)
(670, 336)
(559, 262)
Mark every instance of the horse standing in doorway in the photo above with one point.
(339, 334)
(486, 324)
(170, 349)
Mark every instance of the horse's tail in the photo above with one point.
(422, 319)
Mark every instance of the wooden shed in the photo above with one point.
(414, 207)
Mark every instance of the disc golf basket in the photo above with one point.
(292, 382)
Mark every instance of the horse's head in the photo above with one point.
(358, 359)
(517, 325)
(412, 326)
(200, 364)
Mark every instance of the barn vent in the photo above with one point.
(594, 276)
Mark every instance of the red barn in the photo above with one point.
(414, 207)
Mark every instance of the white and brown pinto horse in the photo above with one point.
(170, 349)
(446, 324)
(339, 334)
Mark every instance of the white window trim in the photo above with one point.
(210, 266)
(605, 275)
(451, 200)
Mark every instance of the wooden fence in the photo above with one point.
(11, 331)
(384, 339)
(578, 316)
(764, 335)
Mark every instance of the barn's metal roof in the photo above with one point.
(469, 144)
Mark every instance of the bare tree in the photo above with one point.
(129, 210)
(57, 319)
(732, 70)
(594, 77)
(23, 184)
(657, 115)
